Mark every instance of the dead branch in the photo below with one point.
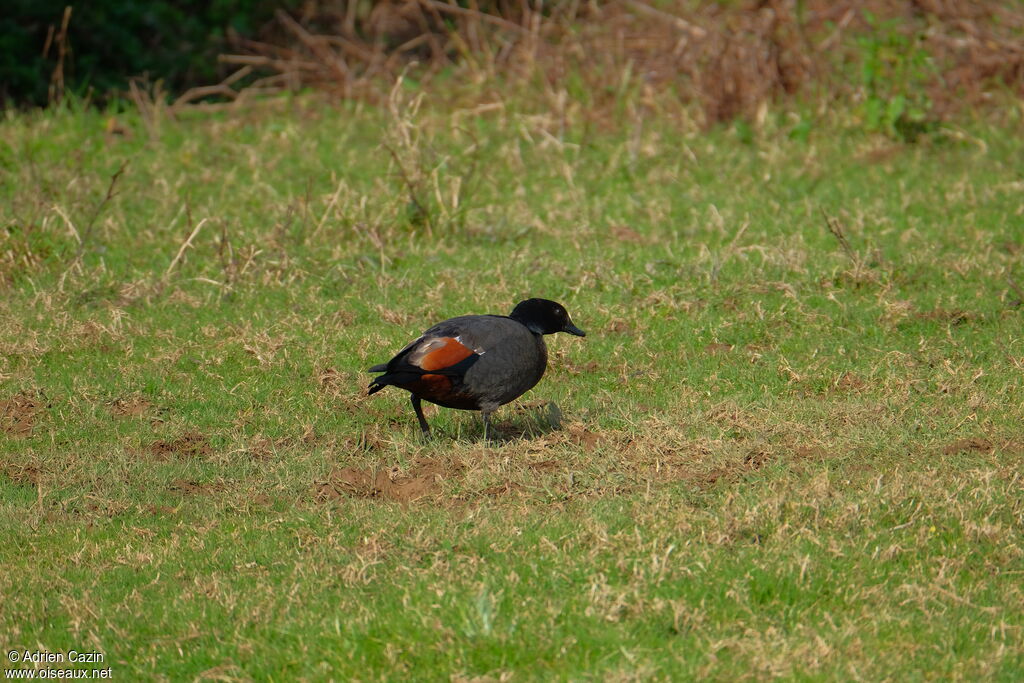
(476, 14)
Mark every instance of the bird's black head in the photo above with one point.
(545, 317)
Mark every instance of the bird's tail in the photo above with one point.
(376, 385)
(398, 377)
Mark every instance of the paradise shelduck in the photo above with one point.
(477, 362)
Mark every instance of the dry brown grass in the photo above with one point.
(728, 59)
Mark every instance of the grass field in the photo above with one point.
(790, 445)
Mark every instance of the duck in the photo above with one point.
(476, 362)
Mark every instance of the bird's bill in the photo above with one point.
(572, 329)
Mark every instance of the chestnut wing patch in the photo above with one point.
(431, 368)
(439, 353)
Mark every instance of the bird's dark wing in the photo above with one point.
(434, 359)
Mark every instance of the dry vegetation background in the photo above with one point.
(729, 58)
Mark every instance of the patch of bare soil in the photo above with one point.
(810, 453)
(18, 414)
(101, 507)
(849, 383)
(129, 407)
(582, 436)
(688, 472)
(574, 433)
(624, 233)
(575, 369)
(756, 459)
(880, 155)
(621, 327)
(260, 447)
(186, 446)
(190, 487)
(22, 474)
(969, 445)
(502, 489)
(689, 462)
(648, 459)
(421, 480)
(752, 461)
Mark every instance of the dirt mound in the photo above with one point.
(129, 407)
(582, 436)
(968, 445)
(18, 414)
(422, 479)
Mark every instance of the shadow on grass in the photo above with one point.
(519, 422)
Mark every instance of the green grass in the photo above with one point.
(779, 456)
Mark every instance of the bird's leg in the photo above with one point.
(487, 425)
(424, 427)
